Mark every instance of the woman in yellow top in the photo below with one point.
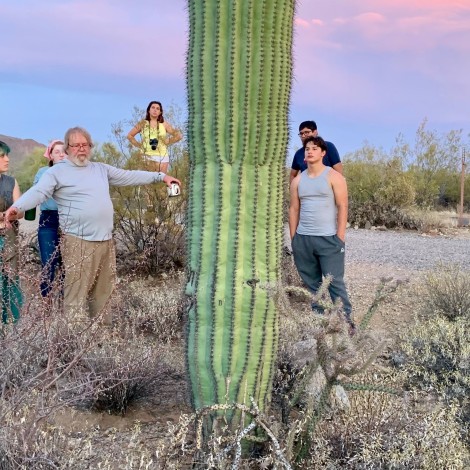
(155, 135)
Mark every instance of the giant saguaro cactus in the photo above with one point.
(239, 69)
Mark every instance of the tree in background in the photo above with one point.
(379, 188)
(425, 174)
(434, 159)
(149, 239)
(239, 73)
(28, 168)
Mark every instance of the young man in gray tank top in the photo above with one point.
(317, 220)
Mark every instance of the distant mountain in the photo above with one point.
(20, 148)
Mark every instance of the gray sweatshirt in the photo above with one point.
(82, 195)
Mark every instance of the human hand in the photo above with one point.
(168, 180)
(10, 215)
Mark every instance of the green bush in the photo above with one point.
(149, 226)
(437, 355)
(379, 191)
(28, 168)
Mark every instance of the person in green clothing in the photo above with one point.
(12, 298)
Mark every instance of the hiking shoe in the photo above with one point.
(351, 328)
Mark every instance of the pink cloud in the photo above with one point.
(301, 22)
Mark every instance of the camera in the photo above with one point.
(153, 143)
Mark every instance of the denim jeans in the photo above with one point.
(48, 238)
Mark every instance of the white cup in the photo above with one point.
(174, 190)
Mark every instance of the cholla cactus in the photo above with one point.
(239, 72)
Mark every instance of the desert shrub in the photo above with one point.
(426, 220)
(115, 375)
(128, 363)
(149, 225)
(52, 360)
(27, 443)
(380, 214)
(447, 293)
(154, 307)
(31, 448)
(384, 431)
(437, 355)
(379, 190)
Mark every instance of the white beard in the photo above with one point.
(78, 162)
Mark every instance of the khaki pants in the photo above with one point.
(90, 276)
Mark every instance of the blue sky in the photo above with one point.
(364, 69)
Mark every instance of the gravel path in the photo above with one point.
(407, 250)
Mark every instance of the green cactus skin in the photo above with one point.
(239, 73)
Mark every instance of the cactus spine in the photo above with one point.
(239, 70)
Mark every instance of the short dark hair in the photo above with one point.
(312, 125)
(4, 149)
(316, 140)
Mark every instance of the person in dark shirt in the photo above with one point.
(12, 297)
(331, 159)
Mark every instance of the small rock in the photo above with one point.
(304, 352)
(367, 225)
(340, 398)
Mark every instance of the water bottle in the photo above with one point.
(30, 214)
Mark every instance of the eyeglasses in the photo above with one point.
(304, 133)
(76, 146)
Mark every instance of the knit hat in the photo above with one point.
(48, 151)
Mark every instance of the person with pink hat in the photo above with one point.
(48, 231)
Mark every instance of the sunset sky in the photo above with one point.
(364, 69)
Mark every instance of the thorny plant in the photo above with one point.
(333, 359)
(224, 449)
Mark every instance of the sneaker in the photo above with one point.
(317, 309)
(351, 328)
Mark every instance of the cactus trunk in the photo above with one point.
(239, 70)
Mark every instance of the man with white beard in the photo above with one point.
(81, 190)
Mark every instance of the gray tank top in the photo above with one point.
(317, 205)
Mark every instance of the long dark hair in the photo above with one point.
(147, 114)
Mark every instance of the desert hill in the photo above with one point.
(20, 148)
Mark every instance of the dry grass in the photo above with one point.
(426, 220)
(52, 365)
(51, 362)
